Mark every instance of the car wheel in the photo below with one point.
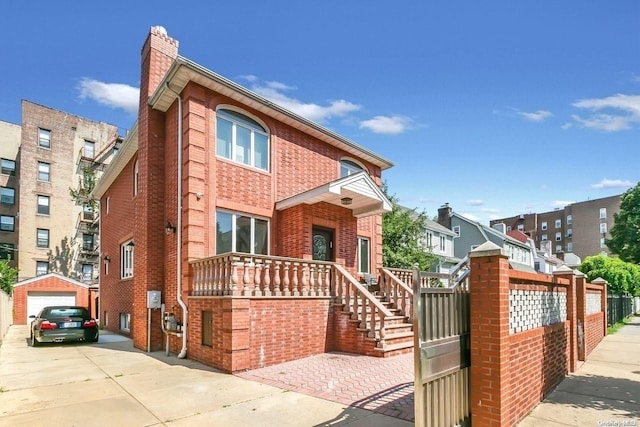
(94, 339)
(33, 342)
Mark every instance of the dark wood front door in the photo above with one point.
(322, 244)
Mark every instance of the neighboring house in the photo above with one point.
(577, 231)
(9, 181)
(440, 241)
(543, 260)
(227, 222)
(470, 234)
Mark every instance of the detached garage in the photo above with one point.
(31, 295)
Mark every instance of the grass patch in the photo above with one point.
(616, 326)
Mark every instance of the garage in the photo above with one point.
(36, 301)
(31, 295)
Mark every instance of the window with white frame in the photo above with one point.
(603, 213)
(43, 204)
(558, 236)
(443, 244)
(602, 243)
(603, 228)
(87, 242)
(543, 226)
(135, 178)
(42, 268)
(241, 233)
(428, 240)
(558, 248)
(508, 228)
(456, 230)
(44, 171)
(126, 259)
(89, 149)
(558, 223)
(569, 247)
(8, 167)
(569, 219)
(87, 272)
(241, 139)
(44, 138)
(42, 240)
(8, 196)
(544, 237)
(7, 223)
(349, 167)
(569, 233)
(364, 255)
(520, 227)
(125, 322)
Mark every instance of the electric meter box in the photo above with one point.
(154, 299)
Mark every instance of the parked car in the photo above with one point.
(63, 323)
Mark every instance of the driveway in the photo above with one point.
(111, 383)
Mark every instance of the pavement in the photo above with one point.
(604, 391)
(112, 383)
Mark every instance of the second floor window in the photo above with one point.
(43, 205)
(241, 139)
(8, 196)
(8, 167)
(126, 260)
(42, 268)
(443, 244)
(44, 138)
(348, 167)
(44, 171)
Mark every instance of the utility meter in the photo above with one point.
(154, 299)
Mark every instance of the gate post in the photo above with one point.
(567, 273)
(489, 318)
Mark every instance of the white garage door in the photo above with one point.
(36, 301)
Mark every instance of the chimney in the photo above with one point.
(158, 53)
(444, 216)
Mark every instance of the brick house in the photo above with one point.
(255, 243)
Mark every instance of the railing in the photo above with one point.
(362, 305)
(618, 308)
(260, 275)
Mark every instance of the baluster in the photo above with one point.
(312, 281)
(326, 291)
(340, 287)
(305, 279)
(247, 284)
(374, 316)
(216, 279)
(233, 285)
(256, 279)
(347, 294)
(356, 302)
(286, 282)
(296, 291)
(267, 278)
(204, 278)
(277, 282)
(383, 333)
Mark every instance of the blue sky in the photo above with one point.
(498, 108)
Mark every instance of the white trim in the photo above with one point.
(51, 275)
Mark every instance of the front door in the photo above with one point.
(322, 244)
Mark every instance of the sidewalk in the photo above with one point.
(605, 391)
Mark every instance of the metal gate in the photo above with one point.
(442, 347)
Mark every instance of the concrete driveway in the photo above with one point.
(111, 383)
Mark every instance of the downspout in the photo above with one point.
(183, 352)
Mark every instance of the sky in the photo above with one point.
(497, 108)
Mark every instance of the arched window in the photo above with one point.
(241, 139)
(349, 167)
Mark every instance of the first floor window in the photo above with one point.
(126, 260)
(364, 255)
(602, 243)
(125, 322)
(42, 239)
(42, 267)
(7, 223)
(43, 205)
(241, 233)
(7, 251)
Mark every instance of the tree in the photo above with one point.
(403, 231)
(8, 275)
(622, 277)
(625, 233)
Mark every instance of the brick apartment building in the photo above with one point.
(249, 237)
(579, 228)
(43, 227)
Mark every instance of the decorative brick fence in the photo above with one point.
(528, 331)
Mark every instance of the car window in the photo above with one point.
(65, 312)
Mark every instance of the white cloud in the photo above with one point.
(470, 216)
(613, 183)
(567, 125)
(114, 95)
(275, 91)
(387, 124)
(474, 202)
(622, 112)
(561, 203)
(248, 77)
(535, 116)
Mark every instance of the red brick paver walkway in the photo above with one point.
(380, 385)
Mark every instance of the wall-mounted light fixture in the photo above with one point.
(346, 201)
(169, 228)
(107, 258)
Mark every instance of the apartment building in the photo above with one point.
(59, 154)
(579, 228)
(9, 179)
